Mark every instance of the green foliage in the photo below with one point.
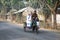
(34, 3)
(51, 2)
(0, 5)
(21, 4)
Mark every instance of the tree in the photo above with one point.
(17, 4)
(52, 5)
(0, 5)
(53, 9)
(3, 6)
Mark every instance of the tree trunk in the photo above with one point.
(54, 23)
(45, 22)
(4, 12)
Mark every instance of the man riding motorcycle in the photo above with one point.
(34, 20)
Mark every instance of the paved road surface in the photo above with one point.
(9, 31)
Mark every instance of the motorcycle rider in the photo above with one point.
(34, 20)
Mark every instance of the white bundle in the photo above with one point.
(38, 24)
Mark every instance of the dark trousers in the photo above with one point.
(34, 25)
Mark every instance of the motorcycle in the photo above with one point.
(34, 26)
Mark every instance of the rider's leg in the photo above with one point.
(33, 28)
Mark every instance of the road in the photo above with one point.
(10, 31)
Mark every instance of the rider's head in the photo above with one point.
(35, 11)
